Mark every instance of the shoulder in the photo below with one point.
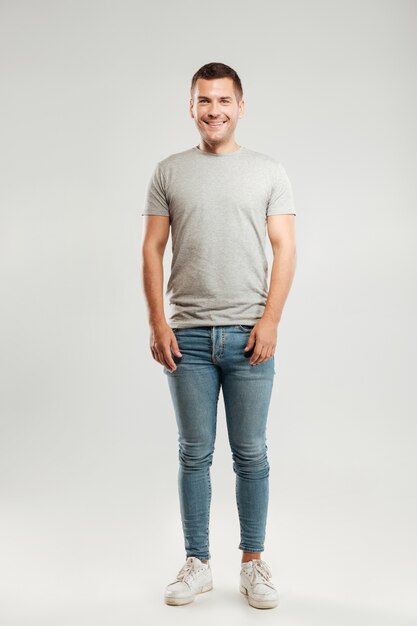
(177, 158)
(267, 161)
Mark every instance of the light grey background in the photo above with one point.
(93, 94)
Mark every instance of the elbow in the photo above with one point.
(153, 248)
(285, 247)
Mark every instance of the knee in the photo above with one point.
(251, 461)
(195, 456)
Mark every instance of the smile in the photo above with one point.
(215, 124)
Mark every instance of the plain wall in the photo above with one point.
(93, 94)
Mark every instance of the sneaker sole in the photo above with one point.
(172, 601)
(259, 604)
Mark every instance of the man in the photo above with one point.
(219, 198)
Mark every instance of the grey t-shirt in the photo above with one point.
(218, 205)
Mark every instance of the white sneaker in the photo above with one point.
(193, 578)
(256, 584)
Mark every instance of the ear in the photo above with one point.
(241, 108)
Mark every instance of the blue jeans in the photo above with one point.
(213, 356)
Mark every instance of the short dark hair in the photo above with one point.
(218, 70)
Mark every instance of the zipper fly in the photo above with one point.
(217, 343)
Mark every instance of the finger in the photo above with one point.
(269, 354)
(250, 343)
(255, 357)
(167, 356)
(176, 348)
(164, 361)
(261, 357)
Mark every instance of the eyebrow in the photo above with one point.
(220, 98)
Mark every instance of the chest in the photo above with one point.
(217, 194)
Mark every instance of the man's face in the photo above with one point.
(216, 110)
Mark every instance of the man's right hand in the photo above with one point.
(162, 340)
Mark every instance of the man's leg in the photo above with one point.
(248, 556)
(194, 388)
(247, 392)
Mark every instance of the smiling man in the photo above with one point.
(219, 198)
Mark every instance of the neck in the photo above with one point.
(230, 146)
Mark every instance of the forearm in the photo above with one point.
(153, 283)
(282, 274)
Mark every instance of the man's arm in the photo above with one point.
(155, 237)
(263, 338)
(156, 234)
(281, 233)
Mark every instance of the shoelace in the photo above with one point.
(261, 573)
(187, 571)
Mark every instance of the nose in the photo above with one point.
(213, 110)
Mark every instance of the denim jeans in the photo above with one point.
(214, 357)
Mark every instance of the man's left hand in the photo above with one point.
(264, 337)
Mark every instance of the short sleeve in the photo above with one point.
(281, 201)
(155, 200)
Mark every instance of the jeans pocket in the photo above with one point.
(246, 327)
